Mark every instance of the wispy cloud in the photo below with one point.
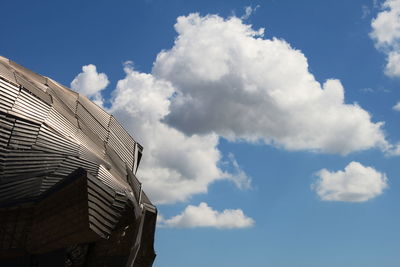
(248, 11)
(365, 11)
(238, 176)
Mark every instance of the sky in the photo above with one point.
(270, 128)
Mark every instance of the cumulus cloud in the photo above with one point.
(204, 216)
(222, 78)
(174, 166)
(386, 34)
(233, 82)
(357, 183)
(90, 83)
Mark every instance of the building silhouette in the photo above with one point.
(68, 191)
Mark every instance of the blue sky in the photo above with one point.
(252, 158)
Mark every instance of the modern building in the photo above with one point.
(68, 191)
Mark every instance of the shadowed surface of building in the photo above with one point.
(68, 191)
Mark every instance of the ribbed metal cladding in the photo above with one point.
(48, 133)
(102, 117)
(7, 74)
(29, 106)
(65, 96)
(8, 95)
(91, 122)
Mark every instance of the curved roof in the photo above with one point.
(48, 132)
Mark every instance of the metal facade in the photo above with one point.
(56, 144)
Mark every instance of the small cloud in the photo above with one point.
(357, 183)
(248, 11)
(393, 64)
(205, 216)
(90, 83)
(128, 65)
(394, 151)
(365, 11)
(397, 106)
(386, 35)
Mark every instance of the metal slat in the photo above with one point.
(31, 107)
(6, 73)
(33, 89)
(61, 124)
(101, 116)
(90, 121)
(68, 97)
(49, 140)
(122, 134)
(121, 150)
(8, 95)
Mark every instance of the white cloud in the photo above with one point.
(233, 82)
(397, 106)
(90, 83)
(221, 78)
(174, 166)
(393, 64)
(205, 216)
(386, 34)
(386, 25)
(356, 183)
(394, 150)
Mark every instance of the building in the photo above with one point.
(68, 191)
